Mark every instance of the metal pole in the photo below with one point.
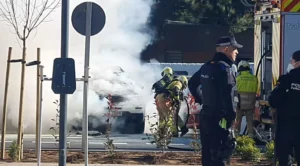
(20, 124)
(63, 97)
(86, 81)
(5, 105)
(40, 115)
(37, 99)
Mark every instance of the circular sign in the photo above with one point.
(79, 18)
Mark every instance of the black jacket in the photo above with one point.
(285, 97)
(215, 79)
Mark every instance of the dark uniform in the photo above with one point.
(285, 98)
(216, 80)
(160, 85)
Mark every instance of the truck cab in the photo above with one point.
(276, 37)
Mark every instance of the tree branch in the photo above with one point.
(32, 14)
(7, 15)
(14, 17)
(47, 9)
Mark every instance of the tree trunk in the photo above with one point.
(20, 124)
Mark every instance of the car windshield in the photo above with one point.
(117, 99)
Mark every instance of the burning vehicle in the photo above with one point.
(124, 98)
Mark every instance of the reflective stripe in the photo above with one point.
(291, 6)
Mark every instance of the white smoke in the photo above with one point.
(118, 44)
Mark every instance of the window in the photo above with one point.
(173, 56)
(180, 73)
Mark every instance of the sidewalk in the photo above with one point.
(53, 164)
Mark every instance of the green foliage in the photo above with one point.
(250, 153)
(247, 150)
(221, 12)
(13, 151)
(243, 141)
(110, 115)
(55, 128)
(270, 147)
(161, 134)
(195, 144)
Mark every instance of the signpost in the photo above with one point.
(58, 74)
(41, 76)
(63, 97)
(88, 19)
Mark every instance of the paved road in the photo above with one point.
(96, 143)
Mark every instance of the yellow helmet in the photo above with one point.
(183, 80)
(167, 70)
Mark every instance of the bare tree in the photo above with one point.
(24, 16)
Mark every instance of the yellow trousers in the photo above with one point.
(165, 111)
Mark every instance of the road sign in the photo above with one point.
(79, 18)
(63, 76)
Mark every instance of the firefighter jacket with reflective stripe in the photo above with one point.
(160, 86)
(175, 89)
(285, 97)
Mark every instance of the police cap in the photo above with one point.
(228, 41)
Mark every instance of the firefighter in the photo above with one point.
(176, 88)
(247, 88)
(285, 99)
(159, 87)
(217, 115)
(169, 103)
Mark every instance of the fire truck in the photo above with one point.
(276, 37)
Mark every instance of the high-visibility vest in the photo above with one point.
(247, 87)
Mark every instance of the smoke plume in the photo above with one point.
(119, 44)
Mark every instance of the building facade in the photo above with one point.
(189, 43)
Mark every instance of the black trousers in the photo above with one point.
(211, 136)
(287, 142)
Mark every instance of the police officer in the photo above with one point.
(285, 99)
(247, 88)
(216, 80)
